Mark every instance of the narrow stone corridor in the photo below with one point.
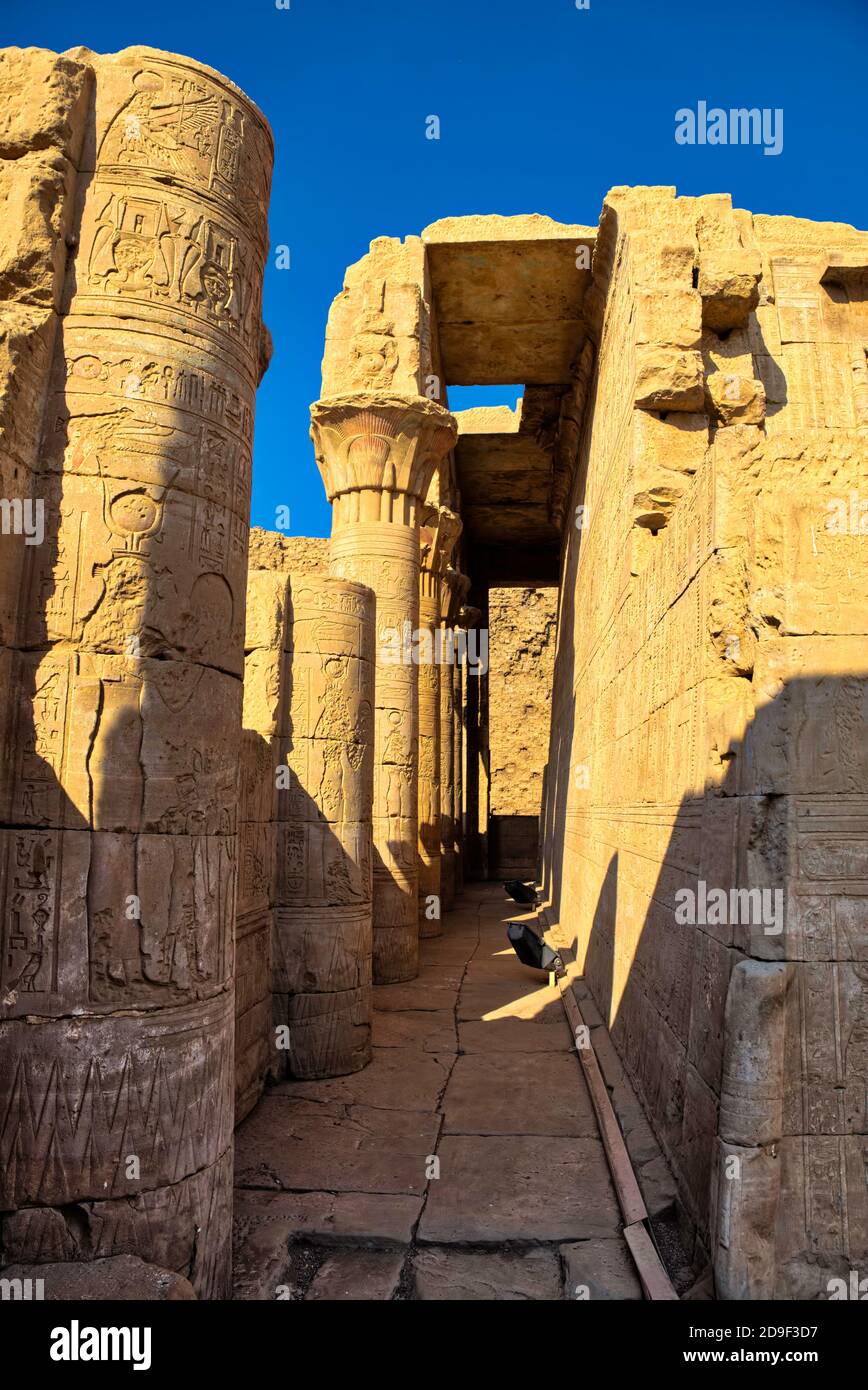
(473, 1079)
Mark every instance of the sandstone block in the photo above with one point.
(729, 286)
(668, 379)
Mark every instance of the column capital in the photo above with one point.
(454, 591)
(468, 616)
(439, 529)
(376, 442)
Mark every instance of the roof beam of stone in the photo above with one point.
(504, 465)
(508, 295)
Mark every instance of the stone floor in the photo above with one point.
(464, 1163)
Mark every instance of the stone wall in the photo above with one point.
(283, 554)
(709, 713)
(522, 627)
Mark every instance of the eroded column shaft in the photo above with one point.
(430, 923)
(447, 782)
(454, 586)
(439, 532)
(116, 1084)
(458, 811)
(322, 946)
(377, 455)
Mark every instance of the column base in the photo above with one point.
(396, 954)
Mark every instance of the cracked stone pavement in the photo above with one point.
(473, 1067)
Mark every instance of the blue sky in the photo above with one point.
(543, 107)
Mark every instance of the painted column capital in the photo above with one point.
(439, 530)
(374, 443)
(453, 592)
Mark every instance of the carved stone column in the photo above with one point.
(439, 533)
(264, 642)
(453, 589)
(458, 813)
(118, 869)
(377, 454)
(475, 757)
(322, 919)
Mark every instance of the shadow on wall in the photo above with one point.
(740, 1004)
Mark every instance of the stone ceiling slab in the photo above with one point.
(508, 297)
(504, 476)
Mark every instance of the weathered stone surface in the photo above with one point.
(322, 893)
(123, 1277)
(133, 432)
(377, 455)
(265, 638)
(695, 398)
(504, 464)
(522, 627)
(514, 1094)
(184, 1225)
(380, 1218)
(438, 534)
(495, 1189)
(431, 1031)
(729, 286)
(393, 1081)
(357, 1274)
(595, 1269)
(503, 1035)
(668, 379)
(532, 328)
(284, 1144)
(712, 687)
(736, 399)
(275, 552)
(444, 1273)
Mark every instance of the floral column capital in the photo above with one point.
(371, 441)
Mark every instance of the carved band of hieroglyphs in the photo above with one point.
(77, 1095)
(322, 920)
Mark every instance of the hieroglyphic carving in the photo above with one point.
(453, 591)
(322, 919)
(438, 533)
(118, 871)
(377, 455)
(708, 724)
(77, 1095)
(265, 670)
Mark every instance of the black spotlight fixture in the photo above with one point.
(520, 892)
(533, 951)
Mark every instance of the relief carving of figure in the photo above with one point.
(374, 351)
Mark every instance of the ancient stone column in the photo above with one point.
(118, 867)
(454, 586)
(377, 454)
(322, 944)
(475, 755)
(458, 812)
(265, 643)
(439, 532)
